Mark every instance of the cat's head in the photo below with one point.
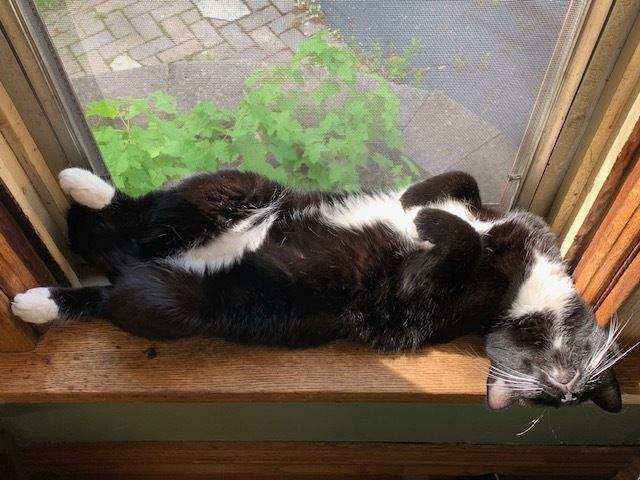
(550, 350)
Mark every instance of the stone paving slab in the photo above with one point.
(136, 83)
(442, 132)
(220, 82)
(490, 164)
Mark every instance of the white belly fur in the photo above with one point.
(354, 213)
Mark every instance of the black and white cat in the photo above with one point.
(238, 256)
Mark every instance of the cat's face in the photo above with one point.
(555, 360)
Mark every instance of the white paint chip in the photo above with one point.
(123, 62)
(222, 9)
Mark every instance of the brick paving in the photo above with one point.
(97, 36)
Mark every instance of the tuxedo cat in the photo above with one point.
(236, 255)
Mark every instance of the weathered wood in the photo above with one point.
(21, 268)
(37, 83)
(629, 155)
(629, 310)
(96, 362)
(609, 127)
(10, 467)
(15, 336)
(613, 248)
(235, 460)
(14, 130)
(593, 24)
(620, 291)
(631, 472)
(15, 181)
(19, 89)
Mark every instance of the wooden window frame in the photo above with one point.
(41, 120)
(592, 92)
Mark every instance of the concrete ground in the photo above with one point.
(488, 55)
(470, 113)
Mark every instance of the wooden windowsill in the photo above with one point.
(95, 362)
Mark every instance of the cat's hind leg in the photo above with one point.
(139, 302)
(86, 188)
(113, 230)
(254, 302)
(451, 185)
(147, 301)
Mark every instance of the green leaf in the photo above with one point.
(164, 103)
(136, 107)
(148, 139)
(337, 172)
(412, 166)
(104, 108)
(382, 161)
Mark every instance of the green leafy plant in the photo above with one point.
(151, 142)
(321, 131)
(459, 62)
(395, 66)
(42, 4)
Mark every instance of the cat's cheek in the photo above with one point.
(499, 395)
(35, 306)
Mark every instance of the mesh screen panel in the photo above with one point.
(472, 78)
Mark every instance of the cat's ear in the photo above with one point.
(607, 394)
(499, 395)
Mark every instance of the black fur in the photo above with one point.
(312, 281)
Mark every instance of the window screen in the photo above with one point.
(332, 94)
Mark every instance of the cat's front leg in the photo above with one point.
(454, 245)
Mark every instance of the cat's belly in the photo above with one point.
(228, 248)
(356, 214)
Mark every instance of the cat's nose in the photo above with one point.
(565, 378)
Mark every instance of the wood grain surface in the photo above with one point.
(616, 178)
(613, 249)
(266, 460)
(95, 362)
(21, 268)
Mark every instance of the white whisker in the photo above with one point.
(614, 360)
(532, 424)
(600, 357)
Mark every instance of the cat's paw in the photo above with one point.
(86, 188)
(35, 306)
(426, 245)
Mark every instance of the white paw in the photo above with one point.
(86, 188)
(35, 306)
(426, 245)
